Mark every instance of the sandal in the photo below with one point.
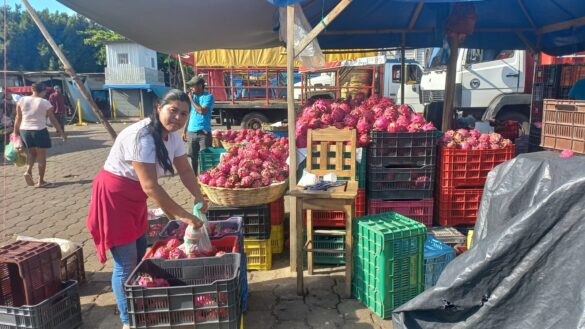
(29, 180)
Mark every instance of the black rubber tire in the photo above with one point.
(254, 120)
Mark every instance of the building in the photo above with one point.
(132, 78)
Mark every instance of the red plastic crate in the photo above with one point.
(508, 129)
(468, 168)
(226, 244)
(418, 210)
(30, 272)
(457, 206)
(277, 212)
(360, 203)
(336, 218)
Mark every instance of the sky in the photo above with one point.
(52, 5)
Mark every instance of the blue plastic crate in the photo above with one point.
(437, 255)
(278, 134)
(244, 283)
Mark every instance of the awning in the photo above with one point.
(158, 90)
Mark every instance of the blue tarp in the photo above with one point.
(380, 23)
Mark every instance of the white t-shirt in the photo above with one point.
(34, 112)
(136, 144)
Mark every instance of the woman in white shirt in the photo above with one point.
(142, 152)
(31, 125)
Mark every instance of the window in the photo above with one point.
(475, 56)
(122, 58)
(396, 74)
(152, 62)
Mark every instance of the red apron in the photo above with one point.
(117, 212)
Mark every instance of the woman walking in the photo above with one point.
(142, 152)
(31, 125)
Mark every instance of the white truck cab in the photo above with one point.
(489, 84)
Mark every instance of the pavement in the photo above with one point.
(60, 211)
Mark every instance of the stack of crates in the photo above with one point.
(257, 231)
(437, 255)
(31, 292)
(277, 226)
(203, 292)
(388, 261)
(460, 180)
(401, 174)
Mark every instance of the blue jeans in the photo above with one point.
(126, 257)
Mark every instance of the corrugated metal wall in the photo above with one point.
(127, 101)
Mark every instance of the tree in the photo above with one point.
(97, 37)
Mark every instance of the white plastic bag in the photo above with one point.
(67, 247)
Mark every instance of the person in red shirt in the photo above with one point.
(59, 103)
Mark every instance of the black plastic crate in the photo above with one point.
(401, 183)
(204, 293)
(61, 311)
(155, 226)
(534, 139)
(402, 149)
(256, 219)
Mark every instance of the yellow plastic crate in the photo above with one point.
(277, 238)
(258, 253)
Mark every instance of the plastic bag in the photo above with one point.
(196, 241)
(67, 247)
(20, 158)
(17, 141)
(10, 152)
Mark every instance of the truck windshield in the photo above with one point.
(438, 58)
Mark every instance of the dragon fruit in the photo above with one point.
(567, 154)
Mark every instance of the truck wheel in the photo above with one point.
(254, 120)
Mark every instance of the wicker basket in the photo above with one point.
(269, 127)
(228, 146)
(244, 197)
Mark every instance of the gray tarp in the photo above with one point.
(527, 266)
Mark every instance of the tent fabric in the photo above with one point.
(267, 57)
(178, 26)
(525, 268)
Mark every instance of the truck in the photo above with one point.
(250, 97)
(490, 84)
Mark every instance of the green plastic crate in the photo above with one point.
(388, 261)
(331, 242)
(209, 158)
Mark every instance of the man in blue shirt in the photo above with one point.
(197, 132)
(578, 90)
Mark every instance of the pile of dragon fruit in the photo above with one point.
(374, 113)
(250, 166)
(464, 139)
(174, 249)
(244, 136)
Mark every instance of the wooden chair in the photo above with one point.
(329, 150)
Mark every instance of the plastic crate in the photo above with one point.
(436, 257)
(508, 129)
(278, 134)
(244, 277)
(60, 311)
(563, 125)
(361, 170)
(258, 254)
(204, 293)
(155, 226)
(216, 229)
(30, 272)
(468, 168)
(360, 203)
(457, 206)
(469, 239)
(418, 210)
(330, 242)
(277, 212)
(256, 219)
(534, 139)
(448, 235)
(72, 267)
(226, 244)
(388, 261)
(277, 239)
(326, 218)
(209, 158)
(401, 183)
(402, 149)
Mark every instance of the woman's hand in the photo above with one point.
(192, 220)
(204, 203)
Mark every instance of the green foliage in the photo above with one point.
(80, 39)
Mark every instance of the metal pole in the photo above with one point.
(141, 105)
(402, 74)
(182, 73)
(69, 69)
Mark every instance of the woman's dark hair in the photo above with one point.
(38, 87)
(155, 128)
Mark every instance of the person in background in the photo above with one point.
(197, 133)
(577, 92)
(117, 218)
(59, 103)
(31, 125)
